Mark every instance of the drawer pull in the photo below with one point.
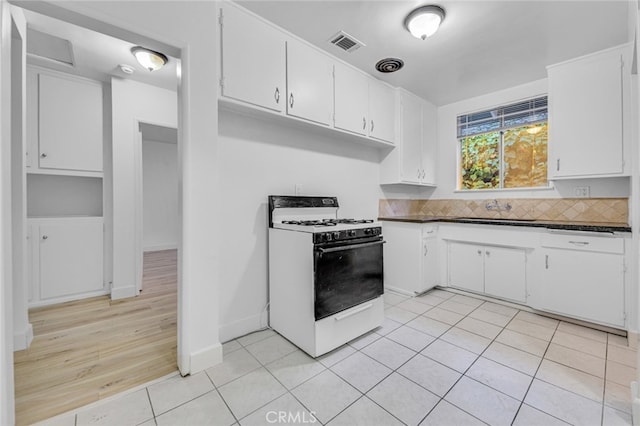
(546, 261)
(579, 243)
(355, 311)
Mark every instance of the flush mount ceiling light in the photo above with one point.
(424, 21)
(149, 59)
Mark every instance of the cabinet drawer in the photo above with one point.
(583, 242)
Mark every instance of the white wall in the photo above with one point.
(6, 311)
(132, 102)
(448, 156)
(262, 159)
(160, 195)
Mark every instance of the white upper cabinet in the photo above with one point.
(414, 159)
(363, 105)
(351, 89)
(270, 70)
(309, 83)
(382, 111)
(69, 125)
(587, 109)
(411, 138)
(253, 60)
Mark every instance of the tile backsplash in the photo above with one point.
(614, 210)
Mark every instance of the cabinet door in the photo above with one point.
(586, 285)
(466, 267)
(309, 83)
(70, 124)
(429, 263)
(402, 257)
(411, 136)
(505, 273)
(70, 258)
(351, 99)
(381, 111)
(429, 143)
(253, 60)
(585, 123)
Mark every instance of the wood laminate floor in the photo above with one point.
(89, 349)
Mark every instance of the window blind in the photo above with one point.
(503, 117)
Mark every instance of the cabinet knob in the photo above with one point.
(364, 123)
(488, 253)
(291, 100)
(44, 237)
(276, 95)
(372, 125)
(43, 155)
(479, 252)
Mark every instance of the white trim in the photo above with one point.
(205, 358)
(123, 292)
(243, 326)
(160, 247)
(23, 339)
(63, 299)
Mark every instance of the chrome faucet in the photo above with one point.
(495, 205)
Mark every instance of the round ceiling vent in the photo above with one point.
(387, 65)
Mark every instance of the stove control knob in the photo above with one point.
(326, 237)
(336, 235)
(375, 231)
(351, 233)
(368, 231)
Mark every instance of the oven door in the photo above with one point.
(346, 274)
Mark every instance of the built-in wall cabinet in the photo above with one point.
(576, 274)
(265, 67)
(64, 191)
(413, 161)
(582, 92)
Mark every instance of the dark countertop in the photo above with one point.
(568, 226)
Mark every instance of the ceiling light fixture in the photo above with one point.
(424, 21)
(149, 59)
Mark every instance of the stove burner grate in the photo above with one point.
(326, 222)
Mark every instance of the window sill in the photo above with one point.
(504, 190)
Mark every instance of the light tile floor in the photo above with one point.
(438, 359)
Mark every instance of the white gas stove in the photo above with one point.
(325, 273)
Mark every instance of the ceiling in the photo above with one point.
(94, 55)
(481, 47)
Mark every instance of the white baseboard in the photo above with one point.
(398, 290)
(158, 247)
(241, 327)
(22, 339)
(635, 404)
(123, 292)
(205, 358)
(63, 299)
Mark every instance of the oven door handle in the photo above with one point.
(349, 247)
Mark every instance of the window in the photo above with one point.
(504, 147)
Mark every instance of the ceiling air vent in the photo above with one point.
(388, 65)
(346, 42)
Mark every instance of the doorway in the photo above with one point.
(92, 347)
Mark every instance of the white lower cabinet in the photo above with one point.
(583, 277)
(496, 271)
(66, 258)
(410, 257)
